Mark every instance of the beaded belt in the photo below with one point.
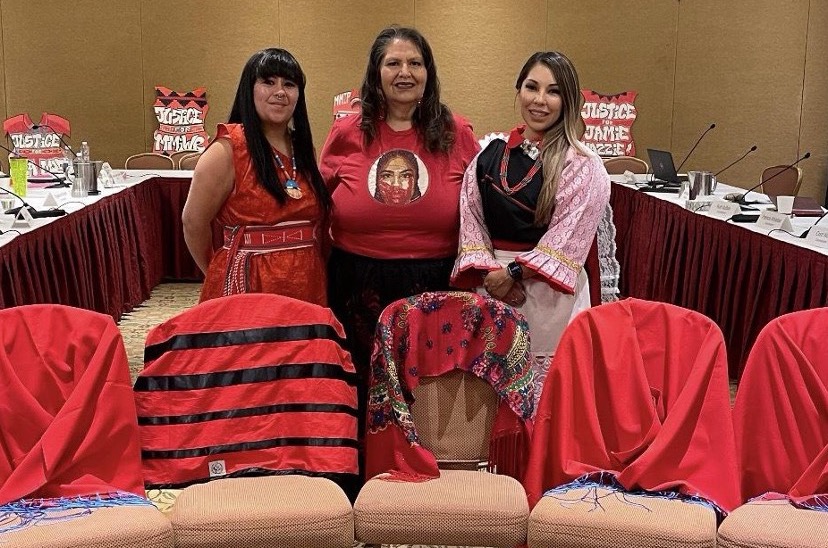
(242, 242)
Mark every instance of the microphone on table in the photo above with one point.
(699, 140)
(740, 198)
(56, 177)
(34, 212)
(742, 157)
(804, 234)
(59, 136)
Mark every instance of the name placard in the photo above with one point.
(818, 236)
(724, 210)
(23, 219)
(772, 220)
(53, 199)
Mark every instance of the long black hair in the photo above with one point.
(269, 63)
(432, 119)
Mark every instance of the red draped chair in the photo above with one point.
(633, 442)
(781, 422)
(450, 394)
(249, 403)
(68, 432)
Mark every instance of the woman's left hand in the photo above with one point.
(498, 283)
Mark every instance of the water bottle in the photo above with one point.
(84, 151)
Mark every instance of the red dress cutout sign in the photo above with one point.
(180, 120)
(40, 143)
(609, 120)
(346, 103)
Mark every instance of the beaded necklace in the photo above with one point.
(291, 186)
(504, 164)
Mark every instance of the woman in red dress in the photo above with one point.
(259, 182)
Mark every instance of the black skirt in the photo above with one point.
(359, 288)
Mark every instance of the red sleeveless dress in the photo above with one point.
(268, 247)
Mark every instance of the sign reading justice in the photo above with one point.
(609, 120)
(39, 142)
(180, 120)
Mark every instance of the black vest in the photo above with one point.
(509, 217)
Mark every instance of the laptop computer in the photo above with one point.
(664, 170)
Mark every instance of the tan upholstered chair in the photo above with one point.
(782, 443)
(267, 411)
(599, 518)
(454, 414)
(773, 524)
(577, 473)
(69, 436)
(189, 161)
(177, 155)
(287, 511)
(786, 180)
(149, 160)
(619, 164)
(123, 526)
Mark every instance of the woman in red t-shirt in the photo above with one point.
(394, 173)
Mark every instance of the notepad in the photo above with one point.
(804, 206)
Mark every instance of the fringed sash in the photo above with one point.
(244, 242)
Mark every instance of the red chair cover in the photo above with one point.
(244, 385)
(67, 419)
(434, 333)
(638, 389)
(781, 411)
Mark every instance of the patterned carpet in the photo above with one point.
(166, 301)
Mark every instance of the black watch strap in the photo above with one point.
(515, 271)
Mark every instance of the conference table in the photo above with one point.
(736, 274)
(107, 254)
(111, 250)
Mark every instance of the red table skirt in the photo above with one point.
(739, 278)
(106, 257)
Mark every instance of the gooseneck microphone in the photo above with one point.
(804, 234)
(740, 198)
(742, 157)
(55, 132)
(699, 140)
(35, 213)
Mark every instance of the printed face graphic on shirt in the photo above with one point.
(397, 178)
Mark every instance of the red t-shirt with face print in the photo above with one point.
(394, 199)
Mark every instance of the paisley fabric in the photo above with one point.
(431, 334)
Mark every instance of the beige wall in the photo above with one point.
(754, 67)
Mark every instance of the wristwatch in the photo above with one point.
(515, 271)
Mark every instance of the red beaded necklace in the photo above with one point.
(504, 164)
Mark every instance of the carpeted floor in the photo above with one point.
(166, 301)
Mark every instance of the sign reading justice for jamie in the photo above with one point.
(609, 120)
